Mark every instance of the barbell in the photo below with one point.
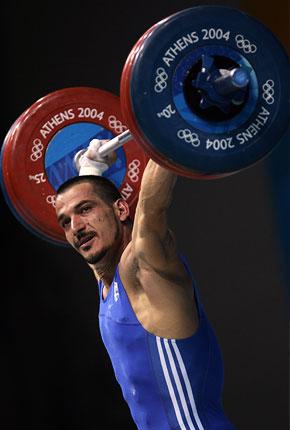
(204, 93)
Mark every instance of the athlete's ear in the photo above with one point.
(121, 209)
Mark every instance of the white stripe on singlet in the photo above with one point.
(187, 384)
(182, 412)
(169, 385)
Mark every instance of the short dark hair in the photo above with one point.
(105, 188)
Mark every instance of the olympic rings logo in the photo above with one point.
(51, 200)
(268, 91)
(116, 124)
(37, 149)
(133, 170)
(245, 44)
(161, 80)
(189, 137)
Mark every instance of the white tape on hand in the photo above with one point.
(89, 161)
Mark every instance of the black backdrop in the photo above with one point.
(55, 373)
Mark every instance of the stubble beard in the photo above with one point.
(98, 256)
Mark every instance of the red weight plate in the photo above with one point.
(31, 169)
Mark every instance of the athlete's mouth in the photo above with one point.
(84, 239)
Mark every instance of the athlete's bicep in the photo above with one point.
(154, 248)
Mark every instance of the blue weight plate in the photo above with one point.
(186, 123)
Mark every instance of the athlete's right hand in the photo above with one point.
(89, 162)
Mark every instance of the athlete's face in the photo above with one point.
(90, 225)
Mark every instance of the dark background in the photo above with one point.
(55, 373)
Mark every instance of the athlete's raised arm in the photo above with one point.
(153, 244)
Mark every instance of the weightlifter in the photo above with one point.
(163, 350)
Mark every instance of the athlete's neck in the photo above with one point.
(105, 269)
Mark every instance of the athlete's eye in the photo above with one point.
(65, 223)
(85, 209)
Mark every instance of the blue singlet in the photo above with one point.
(168, 384)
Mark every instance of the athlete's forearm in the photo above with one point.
(156, 188)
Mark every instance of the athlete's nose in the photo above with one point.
(77, 223)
